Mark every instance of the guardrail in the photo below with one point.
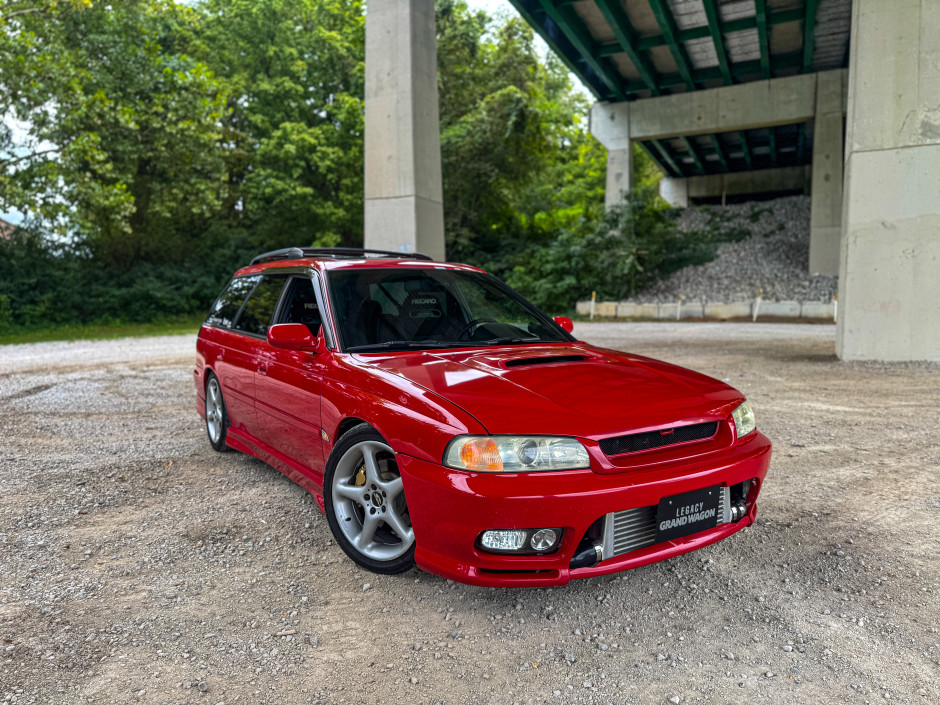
(815, 310)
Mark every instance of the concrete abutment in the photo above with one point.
(890, 269)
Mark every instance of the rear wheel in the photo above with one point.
(216, 415)
(365, 503)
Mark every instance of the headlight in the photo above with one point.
(744, 421)
(515, 453)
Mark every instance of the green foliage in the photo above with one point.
(294, 72)
(123, 127)
(155, 145)
(523, 178)
(627, 249)
(41, 285)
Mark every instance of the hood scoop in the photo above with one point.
(544, 360)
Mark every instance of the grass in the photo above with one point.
(175, 326)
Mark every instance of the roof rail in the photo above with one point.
(333, 253)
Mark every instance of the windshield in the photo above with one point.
(385, 309)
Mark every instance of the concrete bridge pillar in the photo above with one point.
(403, 193)
(889, 286)
(610, 124)
(675, 191)
(826, 183)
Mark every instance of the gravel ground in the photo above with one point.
(136, 565)
(774, 259)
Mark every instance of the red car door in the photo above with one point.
(250, 329)
(287, 386)
(230, 354)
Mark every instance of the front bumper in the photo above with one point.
(450, 508)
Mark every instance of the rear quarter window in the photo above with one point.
(258, 311)
(226, 307)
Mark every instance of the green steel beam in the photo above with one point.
(773, 146)
(761, 17)
(667, 25)
(738, 71)
(626, 41)
(656, 159)
(720, 152)
(572, 66)
(809, 37)
(738, 25)
(571, 26)
(714, 26)
(746, 149)
(690, 148)
(664, 152)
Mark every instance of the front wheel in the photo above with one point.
(365, 503)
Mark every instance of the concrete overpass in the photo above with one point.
(837, 97)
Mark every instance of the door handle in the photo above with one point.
(262, 370)
(221, 355)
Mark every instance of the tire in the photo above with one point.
(216, 414)
(365, 503)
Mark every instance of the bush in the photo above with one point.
(43, 284)
(631, 247)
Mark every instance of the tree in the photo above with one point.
(294, 73)
(121, 127)
(506, 121)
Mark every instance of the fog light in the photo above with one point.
(503, 540)
(543, 539)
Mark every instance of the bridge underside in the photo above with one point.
(639, 49)
(833, 97)
(725, 95)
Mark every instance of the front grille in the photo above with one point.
(633, 529)
(618, 445)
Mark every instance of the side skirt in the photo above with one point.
(255, 448)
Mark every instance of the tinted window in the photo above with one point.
(226, 307)
(300, 305)
(259, 309)
(432, 308)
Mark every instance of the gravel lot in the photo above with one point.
(137, 565)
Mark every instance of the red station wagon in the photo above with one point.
(440, 419)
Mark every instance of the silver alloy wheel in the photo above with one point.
(215, 414)
(369, 502)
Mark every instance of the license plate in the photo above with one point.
(689, 513)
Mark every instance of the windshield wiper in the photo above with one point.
(507, 341)
(404, 344)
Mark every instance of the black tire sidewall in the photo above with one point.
(362, 432)
(220, 445)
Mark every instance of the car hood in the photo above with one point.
(573, 390)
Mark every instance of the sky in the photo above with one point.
(490, 6)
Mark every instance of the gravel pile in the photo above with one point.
(774, 259)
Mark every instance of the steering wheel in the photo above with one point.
(476, 322)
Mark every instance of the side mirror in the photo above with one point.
(565, 323)
(294, 336)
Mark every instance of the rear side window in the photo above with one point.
(230, 301)
(258, 311)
